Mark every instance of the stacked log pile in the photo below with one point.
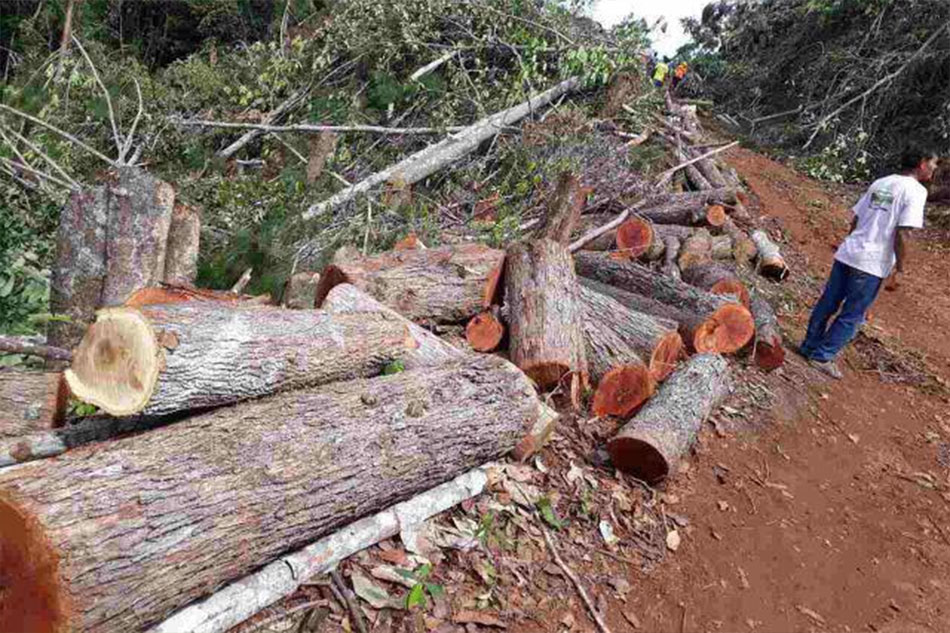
(270, 427)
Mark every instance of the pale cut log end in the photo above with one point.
(726, 331)
(622, 390)
(716, 215)
(331, 277)
(117, 363)
(732, 287)
(635, 236)
(769, 354)
(484, 332)
(664, 357)
(638, 458)
(538, 435)
(31, 598)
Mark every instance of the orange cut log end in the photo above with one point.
(409, 243)
(484, 332)
(634, 237)
(153, 295)
(769, 355)
(732, 287)
(664, 357)
(726, 331)
(639, 458)
(716, 215)
(622, 390)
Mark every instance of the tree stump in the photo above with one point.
(769, 351)
(184, 240)
(165, 358)
(564, 211)
(449, 284)
(31, 401)
(114, 538)
(653, 442)
(544, 313)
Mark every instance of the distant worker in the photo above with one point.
(680, 73)
(876, 244)
(660, 72)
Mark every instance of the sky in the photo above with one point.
(610, 12)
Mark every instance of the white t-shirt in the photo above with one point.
(890, 202)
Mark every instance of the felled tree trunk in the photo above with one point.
(671, 254)
(605, 242)
(707, 167)
(485, 331)
(721, 247)
(718, 280)
(181, 253)
(30, 401)
(449, 284)
(79, 271)
(771, 263)
(743, 248)
(635, 237)
(709, 323)
(769, 351)
(564, 211)
(165, 358)
(300, 293)
(696, 249)
(140, 213)
(652, 443)
(115, 538)
(544, 313)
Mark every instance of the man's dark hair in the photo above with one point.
(914, 154)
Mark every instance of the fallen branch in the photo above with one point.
(272, 129)
(66, 135)
(593, 234)
(577, 582)
(433, 158)
(105, 93)
(428, 68)
(349, 600)
(242, 599)
(665, 176)
(49, 161)
(11, 345)
(242, 282)
(292, 102)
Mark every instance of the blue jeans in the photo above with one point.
(857, 291)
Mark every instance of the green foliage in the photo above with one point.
(416, 597)
(548, 514)
(843, 160)
(394, 367)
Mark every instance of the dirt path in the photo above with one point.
(833, 512)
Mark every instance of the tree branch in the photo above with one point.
(105, 93)
(135, 122)
(274, 129)
(41, 174)
(66, 135)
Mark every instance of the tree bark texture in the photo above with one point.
(430, 351)
(708, 322)
(181, 252)
(449, 284)
(721, 247)
(605, 242)
(771, 263)
(696, 249)
(140, 213)
(322, 146)
(653, 340)
(717, 279)
(23, 345)
(30, 401)
(165, 358)
(117, 537)
(564, 210)
(743, 248)
(769, 351)
(545, 328)
(300, 293)
(79, 271)
(653, 442)
(670, 268)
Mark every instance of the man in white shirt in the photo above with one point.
(876, 245)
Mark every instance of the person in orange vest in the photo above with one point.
(680, 73)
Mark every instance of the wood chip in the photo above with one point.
(482, 618)
(673, 540)
(811, 614)
(632, 619)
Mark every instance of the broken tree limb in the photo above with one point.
(668, 174)
(428, 68)
(433, 158)
(545, 315)
(161, 359)
(13, 345)
(303, 127)
(289, 469)
(242, 282)
(430, 350)
(594, 613)
(769, 351)
(538, 435)
(245, 597)
(708, 322)
(31, 401)
(181, 253)
(653, 442)
(770, 263)
(743, 248)
(292, 102)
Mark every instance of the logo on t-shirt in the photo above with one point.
(882, 201)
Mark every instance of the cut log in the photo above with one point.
(769, 351)
(140, 213)
(485, 331)
(300, 292)
(167, 293)
(181, 254)
(675, 214)
(609, 323)
(79, 270)
(564, 211)
(449, 284)
(670, 267)
(743, 248)
(23, 345)
(721, 247)
(771, 263)
(117, 537)
(674, 230)
(651, 445)
(726, 197)
(716, 215)
(409, 243)
(718, 280)
(165, 358)
(538, 435)
(431, 351)
(635, 237)
(708, 322)
(545, 314)
(604, 242)
(696, 249)
(31, 401)
(707, 167)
